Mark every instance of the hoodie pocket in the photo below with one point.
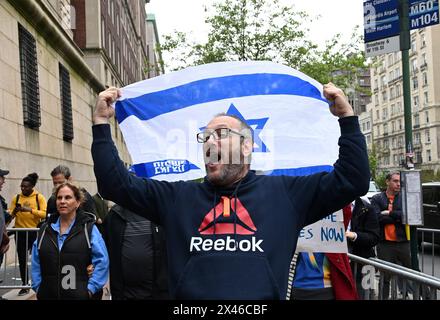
(231, 277)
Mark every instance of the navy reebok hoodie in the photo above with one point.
(243, 252)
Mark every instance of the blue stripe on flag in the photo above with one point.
(155, 168)
(151, 105)
(300, 171)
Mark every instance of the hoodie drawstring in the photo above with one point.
(215, 214)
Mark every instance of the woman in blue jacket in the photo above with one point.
(66, 245)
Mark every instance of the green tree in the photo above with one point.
(339, 62)
(243, 30)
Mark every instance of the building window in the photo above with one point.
(417, 138)
(415, 83)
(427, 116)
(413, 46)
(423, 40)
(383, 81)
(414, 65)
(66, 104)
(401, 158)
(399, 107)
(385, 128)
(424, 61)
(384, 96)
(427, 136)
(29, 78)
(385, 113)
(400, 124)
(425, 79)
(416, 120)
(416, 103)
(428, 155)
(390, 59)
(418, 156)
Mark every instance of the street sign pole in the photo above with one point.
(405, 44)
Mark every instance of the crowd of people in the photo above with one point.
(163, 228)
(70, 242)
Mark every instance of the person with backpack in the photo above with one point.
(28, 208)
(135, 243)
(67, 244)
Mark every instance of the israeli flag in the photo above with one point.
(294, 132)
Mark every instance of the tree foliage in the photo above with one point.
(243, 30)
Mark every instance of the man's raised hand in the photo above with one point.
(340, 107)
(103, 108)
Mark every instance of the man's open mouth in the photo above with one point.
(212, 156)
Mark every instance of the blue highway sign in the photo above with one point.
(381, 19)
(423, 13)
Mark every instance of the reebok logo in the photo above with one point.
(244, 224)
(225, 223)
(228, 244)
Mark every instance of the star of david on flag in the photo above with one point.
(293, 130)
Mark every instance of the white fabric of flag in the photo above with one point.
(294, 132)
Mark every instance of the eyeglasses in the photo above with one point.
(218, 134)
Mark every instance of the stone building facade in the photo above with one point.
(50, 80)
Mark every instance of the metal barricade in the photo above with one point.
(20, 249)
(413, 285)
(431, 236)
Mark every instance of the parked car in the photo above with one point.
(372, 190)
(431, 211)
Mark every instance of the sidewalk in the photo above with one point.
(13, 295)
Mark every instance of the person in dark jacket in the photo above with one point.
(394, 244)
(362, 236)
(61, 174)
(66, 245)
(135, 244)
(364, 231)
(232, 236)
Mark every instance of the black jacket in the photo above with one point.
(380, 203)
(365, 223)
(140, 271)
(76, 253)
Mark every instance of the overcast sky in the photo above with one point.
(188, 16)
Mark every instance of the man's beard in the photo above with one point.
(229, 174)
